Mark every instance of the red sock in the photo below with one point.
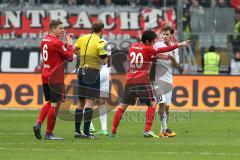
(43, 112)
(150, 114)
(116, 119)
(51, 119)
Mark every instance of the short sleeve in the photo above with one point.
(78, 43)
(108, 47)
(102, 48)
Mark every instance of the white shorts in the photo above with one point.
(166, 98)
(104, 81)
(163, 92)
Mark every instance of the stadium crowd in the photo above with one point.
(194, 16)
(159, 3)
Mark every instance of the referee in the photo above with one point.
(92, 52)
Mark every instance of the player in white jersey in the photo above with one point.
(104, 93)
(163, 83)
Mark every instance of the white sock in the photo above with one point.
(92, 126)
(103, 116)
(163, 122)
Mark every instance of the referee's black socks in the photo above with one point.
(88, 113)
(78, 119)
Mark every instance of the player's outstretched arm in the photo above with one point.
(166, 49)
(172, 47)
(184, 43)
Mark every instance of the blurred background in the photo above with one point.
(207, 23)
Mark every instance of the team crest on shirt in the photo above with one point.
(64, 48)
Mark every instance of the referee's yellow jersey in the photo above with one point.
(91, 47)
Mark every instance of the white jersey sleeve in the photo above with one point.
(105, 76)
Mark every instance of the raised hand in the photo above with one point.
(69, 39)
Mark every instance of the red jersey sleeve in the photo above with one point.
(65, 51)
(156, 51)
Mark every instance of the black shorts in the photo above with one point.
(54, 92)
(142, 91)
(88, 83)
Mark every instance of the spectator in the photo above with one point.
(154, 3)
(133, 3)
(211, 62)
(72, 2)
(235, 64)
(196, 22)
(186, 4)
(14, 2)
(33, 2)
(235, 4)
(166, 3)
(197, 16)
(236, 33)
(221, 4)
(108, 2)
(52, 1)
(186, 24)
(91, 2)
(57, 1)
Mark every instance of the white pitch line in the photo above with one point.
(125, 151)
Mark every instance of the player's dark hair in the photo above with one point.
(148, 35)
(168, 28)
(211, 49)
(97, 26)
(54, 23)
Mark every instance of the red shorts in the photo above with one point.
(54, 92)
(142, 91)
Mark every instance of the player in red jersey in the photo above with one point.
(137, 78)
(55, 53)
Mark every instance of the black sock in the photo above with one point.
(78, 119)
(87, 119)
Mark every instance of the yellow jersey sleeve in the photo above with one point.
(102, 48)
(78, 43)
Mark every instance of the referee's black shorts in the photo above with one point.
(89, 83)
(142, 91)
(54, 92)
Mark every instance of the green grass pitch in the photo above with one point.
(200, 135)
